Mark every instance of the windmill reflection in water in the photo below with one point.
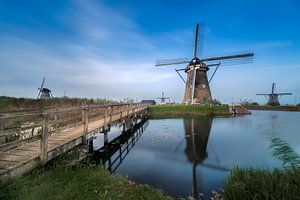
(196, 137)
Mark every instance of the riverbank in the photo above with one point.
(65, 178)
(262, 184)
(277, 108)
(179, 110)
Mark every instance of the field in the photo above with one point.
(179, 110)
(279, 108)
(17, 104)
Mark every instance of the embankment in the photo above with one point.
(65, 178)
(278, 108)
(179, 110)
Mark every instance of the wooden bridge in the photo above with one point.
(31, 138)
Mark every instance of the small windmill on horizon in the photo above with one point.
(44, 93)
(273, 97)
(197, 88)
(163, 98)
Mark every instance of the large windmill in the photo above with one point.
(44, 93)
(197, 88)
(273, 97)
(163, 98)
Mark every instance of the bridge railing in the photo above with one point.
(18, 128)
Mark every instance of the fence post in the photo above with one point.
(1, 123)
(111, 114)
(127, 110)
(121, 114)
(85, 120)
(44, 138)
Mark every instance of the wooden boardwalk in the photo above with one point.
(21, 156)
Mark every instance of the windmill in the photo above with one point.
(273, 97)
(163, 98)
(44, 93)
(197, 88)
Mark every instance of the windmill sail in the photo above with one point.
(177, 61)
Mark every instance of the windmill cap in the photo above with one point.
(46, 90)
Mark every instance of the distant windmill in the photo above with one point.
(273, 97)
(197, 88)
(44, 93)
(163, 98)
(65, 94)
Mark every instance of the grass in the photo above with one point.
(162, 111)
(274, 184)
(262, 184)
(282, 151)
(59, 180)
(12, 103)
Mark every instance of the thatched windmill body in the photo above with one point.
(197, 88)
(44, 93)
(274, 97)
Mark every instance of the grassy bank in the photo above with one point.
(162, 111)
(12, 103)
(265, 183)
(61, 180)
(262, 184)
(279, 108)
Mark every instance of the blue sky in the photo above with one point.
(107, 49)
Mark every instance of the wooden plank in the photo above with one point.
(12, 157)
(22, 152)
(5, 165)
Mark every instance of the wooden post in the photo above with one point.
(85, 120)
(44, 138)
(105, 116)
(127, 110)
(121, 114)
(1, 123)
(111, 114)
(105, 137)
(85, 124)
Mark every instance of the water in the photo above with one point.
(187, 156)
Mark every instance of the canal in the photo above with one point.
(188, 156)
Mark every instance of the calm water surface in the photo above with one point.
(186, 156)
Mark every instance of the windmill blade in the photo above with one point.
(38, 94)
(263, 94)
(273, 88)
(42, 84)
(178, 61)
(231, 59)
(196, 41)
(284, 93)
(200, 42)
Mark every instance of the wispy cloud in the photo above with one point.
(104, 49)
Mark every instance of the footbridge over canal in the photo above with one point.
(31, 138)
